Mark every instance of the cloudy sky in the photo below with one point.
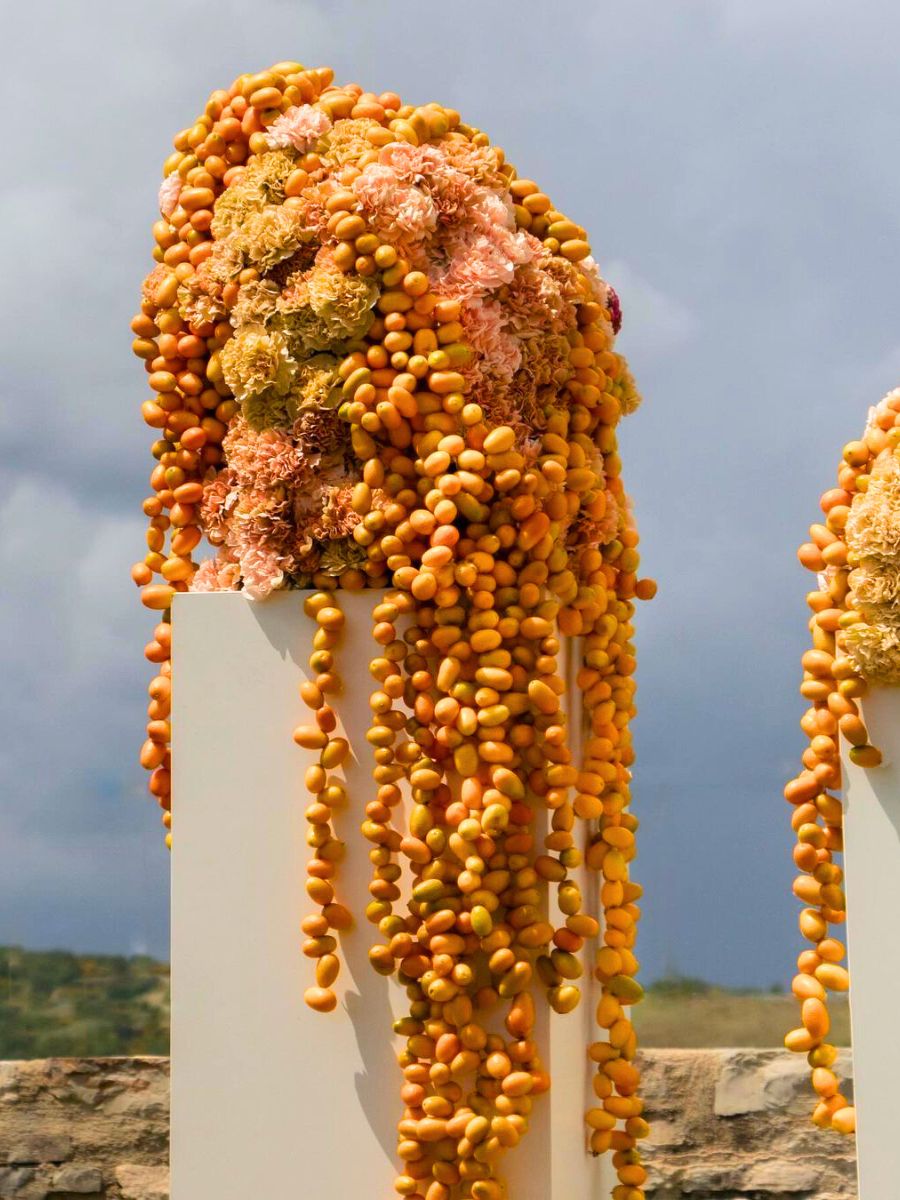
(735, 164)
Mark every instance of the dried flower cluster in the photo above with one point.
(381, 359)
(855, 630)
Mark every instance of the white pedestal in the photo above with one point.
(872, 868)
(268, 1096)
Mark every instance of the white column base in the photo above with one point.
(872, 869)
(268, 1097)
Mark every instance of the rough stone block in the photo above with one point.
(143, 1183)
(40, 1148)
(13, 1180)
(83, 1181)
(782, 1176)
(751, 1083)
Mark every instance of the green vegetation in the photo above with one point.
(57, 1004)
(679, 1012)
(54, 1004)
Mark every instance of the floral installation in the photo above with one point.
(855, 553)
(380, 359)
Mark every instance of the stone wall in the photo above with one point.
(734, 1125)
(727, 1125)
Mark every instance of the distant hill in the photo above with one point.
(56, 1004)
(679, 1012)
(53, 1003)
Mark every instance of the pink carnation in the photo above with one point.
(413, 164)
(266, 459)
(261, 571)
(397, 207)
(298, 128)
(484, 249)
(485, 330)
(169, 191)
(490, 210)
(452, 191)
(481, 262)
(215, 575)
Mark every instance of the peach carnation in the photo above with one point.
(298, 128)
(216, 575)
(396, 207)
(261, 571)
(169, 191)
(486, 331)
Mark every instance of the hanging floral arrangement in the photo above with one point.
(379, 359)
(855, 626)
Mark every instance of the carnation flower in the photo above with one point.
(429, 167)
(266, 175)
(340, 556)
(256, 361)
(481, 253)
(534, 303)
(320, 432)
(271, 235)
(200, 301)
(317, 383)
(348, 141)
(336, 519)
(153, 282)
(224, 262)
(572, 282)
(262, 571)
(413, 164)
(315, 197)
(324, 308)
(873, 526)
(169, 191)
(270, 409)
(343, 303)
(395, 209)
(614, 307)
(485, 330)
(874, 582)
(547, 359)
(625, 390)
(259, 184)
(477, 264)
(257, 302)
(263, 459)
(217, 574)
(480, 163)
(874, 645)
(298, 128)
(218, 496)
(609, 524)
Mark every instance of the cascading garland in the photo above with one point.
(856, 641)
(381, 360)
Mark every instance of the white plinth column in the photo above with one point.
(872, 867)
(269, 1097)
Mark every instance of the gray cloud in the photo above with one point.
(733, 160)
